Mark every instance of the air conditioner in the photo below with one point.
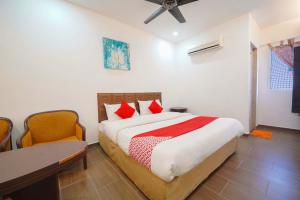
(217, 44)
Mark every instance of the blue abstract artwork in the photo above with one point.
(116, 54)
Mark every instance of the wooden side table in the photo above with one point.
(179, 109)
(32, 172)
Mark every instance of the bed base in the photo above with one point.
(154, 187)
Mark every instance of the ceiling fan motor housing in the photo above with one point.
(169, 4)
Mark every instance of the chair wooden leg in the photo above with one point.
(84, 162)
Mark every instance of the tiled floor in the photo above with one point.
(260, 169)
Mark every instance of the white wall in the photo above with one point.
(285, 30)
(51, 58)
(255, 32)
(274, 106)
(217, 83)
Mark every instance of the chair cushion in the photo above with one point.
(52, 126)
(72, 138)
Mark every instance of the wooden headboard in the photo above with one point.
(114, 98)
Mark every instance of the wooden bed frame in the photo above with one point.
(151, 185)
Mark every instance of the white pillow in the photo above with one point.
(112, 108)
(144, 106)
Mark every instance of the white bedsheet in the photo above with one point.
(178, 155)
(112, 128)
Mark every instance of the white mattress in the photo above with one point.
(178, 155)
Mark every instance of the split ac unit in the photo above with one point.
(217, 44)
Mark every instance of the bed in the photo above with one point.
(173, 174)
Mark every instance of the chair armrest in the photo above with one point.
(80, 132)
(7, 139)
(25, 140)
(4, 142)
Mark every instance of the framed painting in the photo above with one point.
(116, 54)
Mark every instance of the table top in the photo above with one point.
(25, 162)
(178, 108)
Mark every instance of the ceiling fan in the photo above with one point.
(171, 6)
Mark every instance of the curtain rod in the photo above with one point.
(297, 39)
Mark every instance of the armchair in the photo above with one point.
(52, 126)
(5, 134)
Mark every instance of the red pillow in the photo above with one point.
(155, 107)
(125, 111)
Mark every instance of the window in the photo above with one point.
(281, 73)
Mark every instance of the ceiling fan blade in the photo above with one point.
(155, 14)
(177, 14)
(182, 2)
(159, 2)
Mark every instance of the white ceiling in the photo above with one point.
(199, 15)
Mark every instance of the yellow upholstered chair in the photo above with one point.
(5, 134)
(52, 126)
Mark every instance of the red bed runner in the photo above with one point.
(141, 146)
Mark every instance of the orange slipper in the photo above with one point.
(262, 134)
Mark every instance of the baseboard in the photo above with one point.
(276, 127)
(93, 144)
